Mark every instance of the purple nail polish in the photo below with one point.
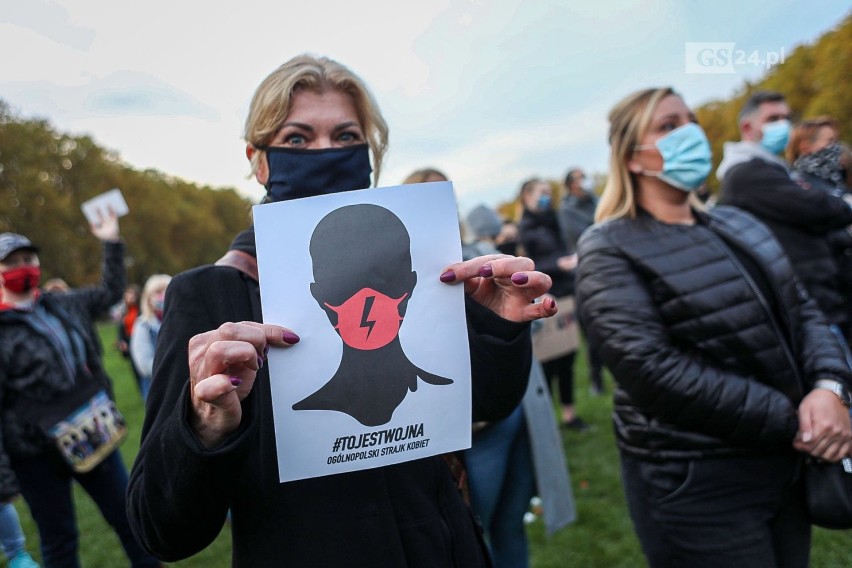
(290, 337)
(259, 363)
(448, 276)
(520, 278)
(486, 271)
(265, 351)
(236, 382)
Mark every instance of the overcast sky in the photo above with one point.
(490, 92)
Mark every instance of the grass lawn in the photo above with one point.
(602, 536)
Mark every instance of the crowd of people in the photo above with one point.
(725, 326)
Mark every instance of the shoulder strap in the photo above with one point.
(242, 261)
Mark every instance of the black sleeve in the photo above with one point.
(769, 193)
(622, 320)
(98, 299)
(544, 256)
(179, 493)
(500, 359)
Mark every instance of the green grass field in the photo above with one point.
(602, 536)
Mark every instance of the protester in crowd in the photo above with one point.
(50, 367)
(129, 311)
(12, 539)
(755, 179)
(143, 340)
(816, 155)
(210, 410)
(541, 238)
(724, 369)
(13, 542)
(576, 214)
(577, 208)
(514, 459)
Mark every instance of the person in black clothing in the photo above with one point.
(541, 238)
(725, 368)
(576, 214)
(50, 366)
(816, 157)
(755, 179)
(208, 442)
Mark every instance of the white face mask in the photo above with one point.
(587, 185)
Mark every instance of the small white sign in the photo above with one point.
(382, 372)
(98, 207)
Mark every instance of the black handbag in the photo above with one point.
(828, 490)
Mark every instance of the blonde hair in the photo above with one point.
(154, 284)
(628, 123)
(274, 97)
(420, 176)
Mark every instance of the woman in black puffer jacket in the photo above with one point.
(718, 353)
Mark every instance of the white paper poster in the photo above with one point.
(98, 207)
(382, 372)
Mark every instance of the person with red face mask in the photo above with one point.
(49, 363)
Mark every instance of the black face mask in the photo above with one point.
(296, 173)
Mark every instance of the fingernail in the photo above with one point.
(551, 303)
(807, 436)
(520, 278)
(259, 363)
(448, 276)
(486, 271)
(290, 337)
(265, 351)
(236, 382)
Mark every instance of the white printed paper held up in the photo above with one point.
(382, 372)
(98, 207)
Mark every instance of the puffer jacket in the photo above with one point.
(703, 365)
(31, 371)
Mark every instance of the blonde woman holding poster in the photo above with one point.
(208, 442)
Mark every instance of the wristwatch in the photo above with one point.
(837, 388)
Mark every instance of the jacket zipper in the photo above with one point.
(762, 300)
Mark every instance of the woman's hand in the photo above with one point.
(824, 426)
(223, 365)
(106, 227)
(507, 285)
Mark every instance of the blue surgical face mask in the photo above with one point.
(296, 172)
(544, 203)
(687, 158)
(775, 135)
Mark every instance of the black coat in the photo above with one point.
(702, 368)
(541, 237)
(801, 221)
(405, 515)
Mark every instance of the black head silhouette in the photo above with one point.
(363, 281)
